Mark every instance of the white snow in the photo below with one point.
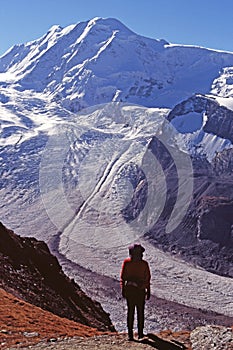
(225, 101)
(101, 60)
(27, 114)
(189, 122)
(222, 85)
(198, 142)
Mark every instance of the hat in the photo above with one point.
(136, 249)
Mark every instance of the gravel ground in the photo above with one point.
(160, 314)
(106, 342)
(212, 337)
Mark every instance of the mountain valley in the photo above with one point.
(109, 138)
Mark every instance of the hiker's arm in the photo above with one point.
(148, 293)
(123, 279)
(123, 289)
(148, 278)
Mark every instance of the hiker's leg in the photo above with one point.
(130, 316)
(140, 314)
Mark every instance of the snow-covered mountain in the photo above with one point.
(108, 137)
(101, 60)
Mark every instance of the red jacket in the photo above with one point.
(137, 272)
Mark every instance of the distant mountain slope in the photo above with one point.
(101, 60)
(29, 271)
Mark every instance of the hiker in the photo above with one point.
(135, 285)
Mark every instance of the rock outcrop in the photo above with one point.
(215, 220)
(28, 270)
(219, 118)
(212, 337)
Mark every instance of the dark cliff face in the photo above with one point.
(29, 271)
(215, 220)
(223, 162)
(204, 236)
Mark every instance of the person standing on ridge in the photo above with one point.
(135, 285)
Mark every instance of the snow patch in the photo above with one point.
(189, 122)
(225, 101)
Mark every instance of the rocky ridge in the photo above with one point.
(29, 271)
(219, 119)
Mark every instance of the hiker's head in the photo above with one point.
(136, 251)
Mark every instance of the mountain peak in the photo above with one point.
(110, 22)
(101, 60)
(55, 28)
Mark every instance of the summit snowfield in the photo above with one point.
(101, 61)
(108, 137)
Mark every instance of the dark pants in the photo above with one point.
(135, 299)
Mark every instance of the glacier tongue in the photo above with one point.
(100, 148)
(96, 236)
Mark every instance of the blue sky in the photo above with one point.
(207, 23)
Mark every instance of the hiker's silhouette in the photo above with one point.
(135, 284)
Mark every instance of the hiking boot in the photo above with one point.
(130, 335)
(141, 336)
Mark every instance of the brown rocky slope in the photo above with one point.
(30, 272)
(23, 324)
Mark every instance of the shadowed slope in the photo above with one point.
(30, 272)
